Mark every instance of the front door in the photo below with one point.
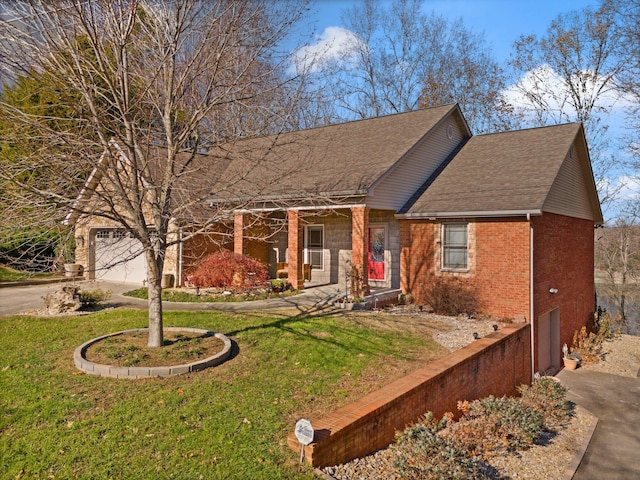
(377, 241)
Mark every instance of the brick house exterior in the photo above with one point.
(526, 205)
(405, 199)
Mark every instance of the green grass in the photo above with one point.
(10, 275)
(228, 422)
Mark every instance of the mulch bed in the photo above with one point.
(128, 350)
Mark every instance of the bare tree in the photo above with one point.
(627, 19)
(403, 59)
(569, 74)
(155, 84)
(618, 262)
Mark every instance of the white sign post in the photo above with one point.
(304, 433)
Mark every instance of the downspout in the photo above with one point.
(533, 362)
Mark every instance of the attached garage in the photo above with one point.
(119, 257)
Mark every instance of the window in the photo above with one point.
(314, 246)
(454, 246)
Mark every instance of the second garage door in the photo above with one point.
(119, 257)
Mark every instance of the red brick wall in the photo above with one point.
(502, 268)
(250, 237)
(494, 365)
(416, 255)
(498, 263)
(295, 251)
(564, 257)
(359, 243)
(196, 248)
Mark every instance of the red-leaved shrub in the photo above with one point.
(226, 269)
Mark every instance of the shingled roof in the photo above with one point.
(507, 173)
(332, 161)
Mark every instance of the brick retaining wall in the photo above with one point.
(494, 365)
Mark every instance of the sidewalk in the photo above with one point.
(614, 450)
(18, 297)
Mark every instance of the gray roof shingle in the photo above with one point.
(344, 159)
(504, 172)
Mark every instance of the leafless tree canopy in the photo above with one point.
(618, 264)
(404, 59)
(569, 74)
(143, 87)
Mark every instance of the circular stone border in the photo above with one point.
(81, 362)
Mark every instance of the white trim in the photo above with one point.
(295, 209)
(531, 308)
(469, 214)
(386, 252)
(307, 250)
(442, 247)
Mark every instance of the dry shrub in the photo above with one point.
(450, 296)
(588, 342)
(420, 453)
(492, 425)
(549, 397)
(229, 270)
(447, 449)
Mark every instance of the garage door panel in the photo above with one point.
(119, 257)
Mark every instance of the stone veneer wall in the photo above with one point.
(494, 365)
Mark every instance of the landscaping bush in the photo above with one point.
(229, 270)
(450, 296)
(495, 424)
(462, 449)
(420, 453)
(549, 397)
(588, 342)
(279, 285)
(91, 298)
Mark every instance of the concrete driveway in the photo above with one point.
(614, 450)
(28, 298)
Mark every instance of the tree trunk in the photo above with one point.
(154, 283)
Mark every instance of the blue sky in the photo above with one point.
(502, 21)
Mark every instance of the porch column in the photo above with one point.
(295, 257)
(238, 233)
(360, 244)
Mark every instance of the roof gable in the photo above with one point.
(513, 173)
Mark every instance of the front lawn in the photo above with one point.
(8, 274)
(229, 422)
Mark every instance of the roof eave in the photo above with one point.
(335, 197)
(468, 214)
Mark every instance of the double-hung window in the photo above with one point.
(455, 249)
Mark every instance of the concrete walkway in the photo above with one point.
(28, 297)
(614, 450)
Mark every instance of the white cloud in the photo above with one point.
(628, 187)
(335, 44)
(545, 84)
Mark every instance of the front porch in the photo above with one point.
(324, 247)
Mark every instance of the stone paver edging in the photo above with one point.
(79, 358)
(577, 458)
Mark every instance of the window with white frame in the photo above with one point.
(455, 247)
(314, 246)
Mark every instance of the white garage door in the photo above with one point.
(119, 257)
